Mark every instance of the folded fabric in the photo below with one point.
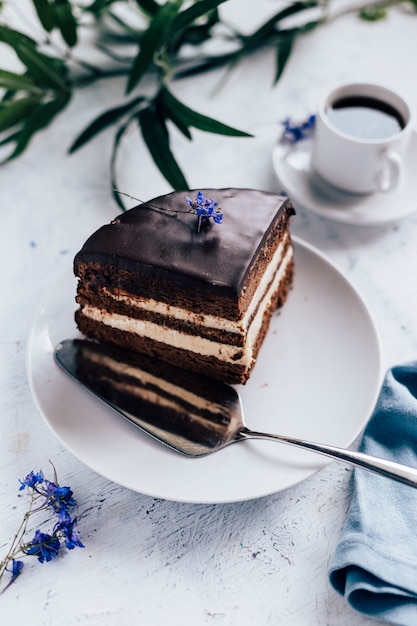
(375, 563)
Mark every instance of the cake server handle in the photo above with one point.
(389, 469)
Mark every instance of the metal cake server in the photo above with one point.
(182, 435)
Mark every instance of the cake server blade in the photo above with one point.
(182, 433)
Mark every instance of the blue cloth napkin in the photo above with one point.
(375, 563)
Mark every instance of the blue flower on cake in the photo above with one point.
(205, 209)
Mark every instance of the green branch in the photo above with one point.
(31, 100)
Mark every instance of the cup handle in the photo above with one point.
(390, 176)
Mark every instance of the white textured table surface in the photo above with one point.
(264, 561)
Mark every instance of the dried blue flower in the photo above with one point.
(16, 570)
(66, 526)
(294, 132)
(45, 495)
(45, 547)
(59, 497)
(31, 480)
(205, 209)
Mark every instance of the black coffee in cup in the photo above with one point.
(365, 118)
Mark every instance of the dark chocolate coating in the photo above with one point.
(165, 244)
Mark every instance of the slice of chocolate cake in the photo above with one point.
(161, 281)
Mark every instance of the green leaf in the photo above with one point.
(98, 7)
(373, 14)
(11, 36)
(270, 32)
(45, 13)
(158, 109)
(205, 65)
(66, 21)
(42, 69)
(16, 82)
(164, 111)
(155, 138)
(37, 119)
(183, 19)
(8, 95)
(284, 49)
(182, 127)
(198, 32)
(150, 7)
(271, 26)
(15, 110)
(152, 39)
(129, 35)
(191, 118)
(102, 122)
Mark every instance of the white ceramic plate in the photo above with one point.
(317, 378)
(292, 168)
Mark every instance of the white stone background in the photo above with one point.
(152, 561)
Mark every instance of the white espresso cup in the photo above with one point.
(361, 137)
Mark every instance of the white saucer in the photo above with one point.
(291, 163)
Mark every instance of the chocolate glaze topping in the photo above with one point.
(164, 243)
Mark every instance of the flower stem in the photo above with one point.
(15, 549)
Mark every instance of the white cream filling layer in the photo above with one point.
(201, 345)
